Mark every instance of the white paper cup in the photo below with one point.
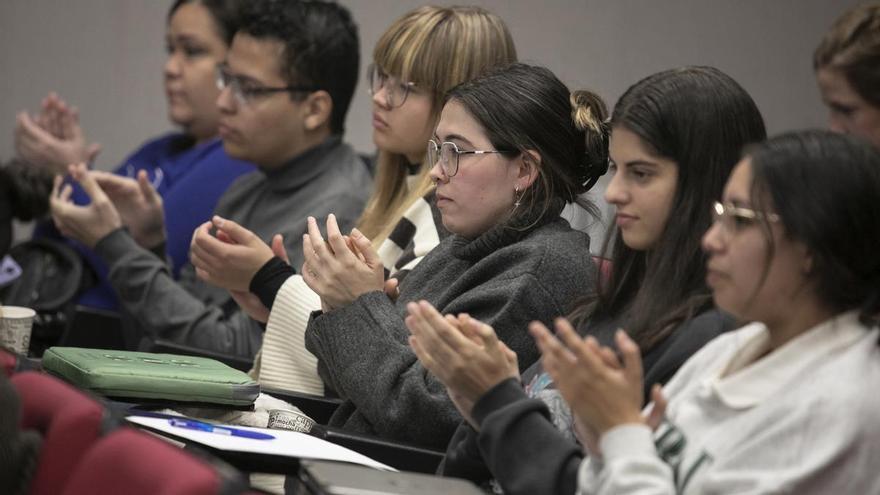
(15, 328)
(285, 419)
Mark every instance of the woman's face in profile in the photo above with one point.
(194, 50)
(848, 111)
(481, 193)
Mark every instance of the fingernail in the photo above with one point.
(218, 221)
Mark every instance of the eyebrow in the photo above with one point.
(242, 77)
(462, 139)
(633, 163)
(183, 37)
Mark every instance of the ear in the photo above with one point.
(317, 109)
(529, 166)
(808, 264)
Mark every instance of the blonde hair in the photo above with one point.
(437, 48)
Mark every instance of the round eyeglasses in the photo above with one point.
(734, 218)
(395, 90)
(246, 90)
(447, 155)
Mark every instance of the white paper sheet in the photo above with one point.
(286, 443)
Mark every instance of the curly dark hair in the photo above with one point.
(321, 46)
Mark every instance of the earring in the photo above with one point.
(516, 196)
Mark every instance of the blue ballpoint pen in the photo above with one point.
(192, 424)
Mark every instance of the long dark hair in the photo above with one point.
(700, 118)
(825, 186)
(527, 108)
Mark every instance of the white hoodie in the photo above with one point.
(802, 419)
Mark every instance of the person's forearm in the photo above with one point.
(164, 308)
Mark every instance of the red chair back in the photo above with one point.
(8, 362)
(69, 421)
(134, 463)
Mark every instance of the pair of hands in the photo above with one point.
(230, 259)
(604, 391)
(342, 268)
(115, 201)
(462, 352)
(53, 138)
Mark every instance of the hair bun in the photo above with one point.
(590, 115)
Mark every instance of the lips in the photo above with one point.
(713, 276)
(379, 122)
(624, 220)
(225, 131)
(441, 199)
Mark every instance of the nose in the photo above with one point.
(615, 192)
(713, 239)
(225, 101)
(172, 65)
(380, 98)
(437, 175)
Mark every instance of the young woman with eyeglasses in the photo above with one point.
(675, 136)
(510, 257)
(783, 405)
(188, 169)
(422, 55)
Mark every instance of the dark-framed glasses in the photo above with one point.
(734, 218)
(396, 90)
(245, 90)
(447, 155)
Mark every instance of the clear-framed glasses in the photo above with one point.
(396, 91)
(447, 154)
(246, 91)
(734, 218)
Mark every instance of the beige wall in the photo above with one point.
(105, 55)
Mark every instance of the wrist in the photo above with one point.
(628, 419)
(150, 240)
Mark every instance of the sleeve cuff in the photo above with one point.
(118, 241)
(627, 440)
(269, 278)
(502, 394)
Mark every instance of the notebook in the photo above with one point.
(144, 375)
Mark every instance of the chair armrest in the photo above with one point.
(402, 456)
(317, 407)
(94, 328)
(237, 362)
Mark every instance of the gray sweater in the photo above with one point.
(329, 178)
(505, 278)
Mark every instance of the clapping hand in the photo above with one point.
(139, 205)
(342, 268)
(87, 224)
(463, 353)
(602, 390)
(53, 138)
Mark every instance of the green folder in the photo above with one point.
(145, 375)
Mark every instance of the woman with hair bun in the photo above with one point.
(675, 136)
(506, 157)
